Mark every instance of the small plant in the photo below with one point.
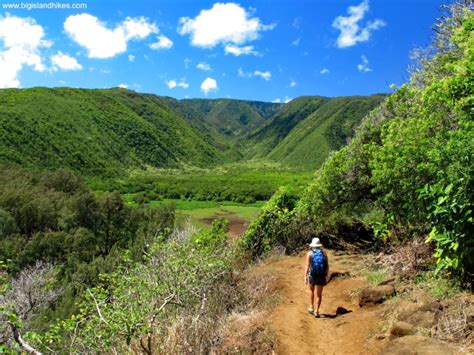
(377, 276)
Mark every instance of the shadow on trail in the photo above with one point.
(339, 312)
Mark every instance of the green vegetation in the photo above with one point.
(54, 218)
(96, 132)
(307, 129)
(109, 266)
(407, 172)
(83, 273)
(229, 117)
(146, 298)
(108, 133)
(236, 184)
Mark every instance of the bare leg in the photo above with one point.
(319, 293)
(311, 295)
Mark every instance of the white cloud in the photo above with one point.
(204, 66)
(22, 40)
(263, 74)
(123, 86)
(187, 61)
(64, 62)
(350, 31)
(131, 57)
(297, 22)
(226, 24)
(162, 43)
(296, 42)
(285, 100)
(364, 66)
(324, 71)
(174, 84)
(208, 85)
(238, 51)
(292, 83)
(103, 42)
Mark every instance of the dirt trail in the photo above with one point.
(298, 332)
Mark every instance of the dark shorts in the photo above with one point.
(318, 280)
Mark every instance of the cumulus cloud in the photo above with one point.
(266, 75)
(351, 32)
(208, 85)
(364, 66)
(324, 71)
(162, 43)
(103, 42)
(240, 50)
(174, 84)
(131, 57)
(292, 83)
(61, 61)
(226, 24)
(204, 66)
(123, 86)
(22, 41)
(296, 42)
(278, 100)
(263, 74)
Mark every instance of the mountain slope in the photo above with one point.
(231, 117)
(95, 131)
(100, 132)
(308, 128)
(326, 129)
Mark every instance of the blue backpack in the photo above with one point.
(318, 263)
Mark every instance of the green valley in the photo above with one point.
(110, 132)
(134, 223)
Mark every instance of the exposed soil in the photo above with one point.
(343, 327)
(237, 225)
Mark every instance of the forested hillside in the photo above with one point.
(96, 131)
(107, 132)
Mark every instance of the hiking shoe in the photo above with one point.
(311, 310)
(316, 314)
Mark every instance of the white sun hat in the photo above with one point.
(315, 243)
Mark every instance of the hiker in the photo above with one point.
(315, 273)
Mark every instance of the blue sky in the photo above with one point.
(259, 50)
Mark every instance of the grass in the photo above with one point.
(189, 205)
(438, 286)
(197, 215)
(376, 276)
(196, 211)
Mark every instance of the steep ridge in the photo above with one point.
(309, 128)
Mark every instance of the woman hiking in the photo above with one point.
(315, 273)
